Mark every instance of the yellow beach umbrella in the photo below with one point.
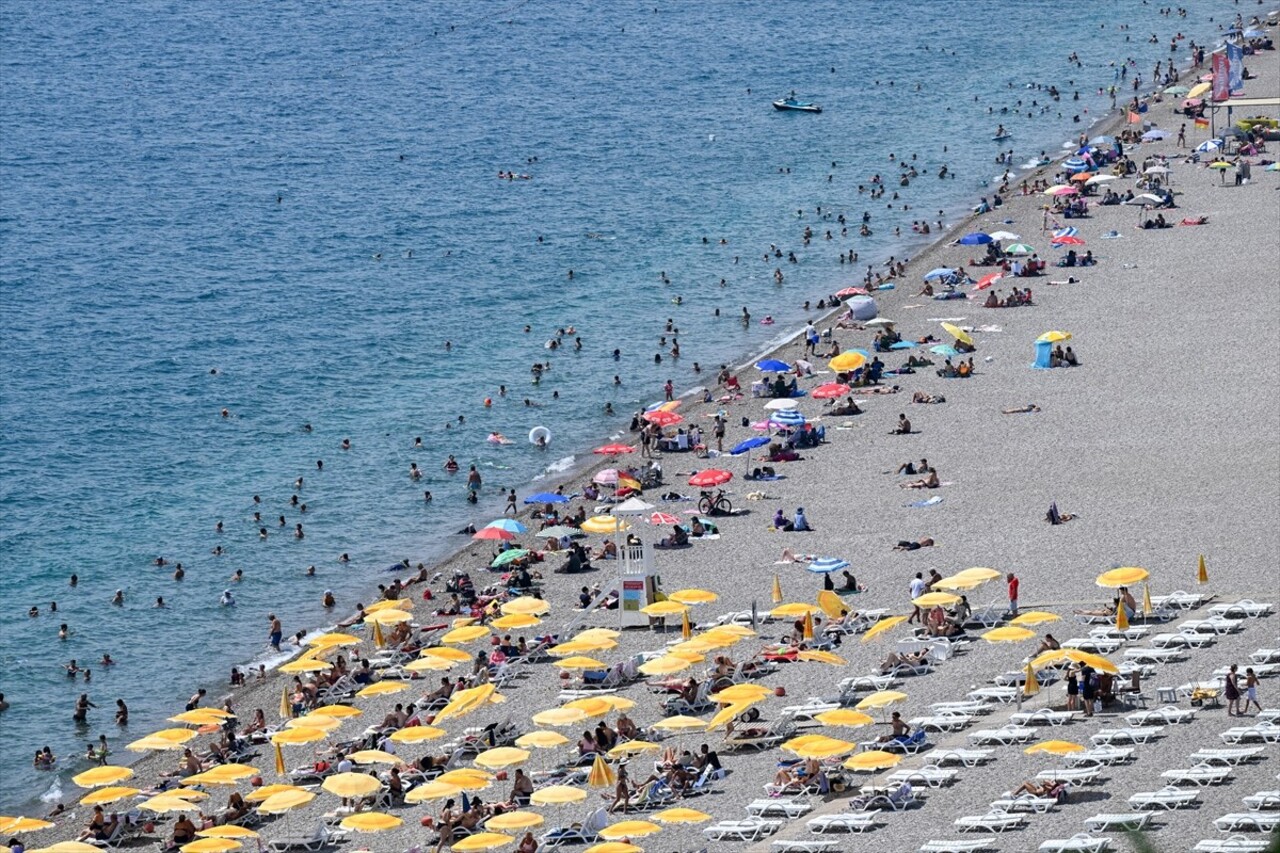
(1202, 572)
(515, 820)
(416, 734)
(446, 653)
(163, 803)
(664, 608)
(957, 582)
(817, 656)
(1053, 337)
(466, 634)
(633, 747)
(686, 628)
(746, 692)
(306, 665)
(883, 625)
(844, 718)
(604, 524)
(728, 713)
(807, 630)
(597, 634)
(694, 596)
(10, 825)
(430, 663)
(370, 822)
(1055, 656)
(1147, 609)
(775, 594)
(432, 791)
(557, 795)
(794, 610)
(525, 604)
(324, 724)
(847, 361)
(471, 699)
(680, 723)
(982, 572)
(299, 735)
(502, 756)
(468, 778)
(1122, 619)
(1054, 747)
(99, 776)
(601, 775)
(742, 632)
(202, 716)
(541, 740)
(102, 796)
(1030, 686)
(333, 639)
(581, 662)
(831, 604)
(881, 699)
(1035, 617)
(338, 711)
(482, 841)
(211, 845)
(223, 774)
(1008, 634)
(515, 622)
(67, 847)
(936, 599)
(351, 784)
(259, 795)
(285, 801)
(818, 746)
(611, 702)
(390, 616)
(876, 759)
(374, 756)
(614, 847)
(1199, 89)
(1126, 576)
(383, 688)
(629, 829)
(227, 830)
(665, 665)
(580, 645)
(681, 815)
(592, 706)
(390, 604)
(958, 333)
(559, 716)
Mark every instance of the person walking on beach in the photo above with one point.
(1231, 688)
(511, 502)
(276, 633)
(718, 432)
(1013, 594)
(669, 391)
(1250, 691)
(917, 589)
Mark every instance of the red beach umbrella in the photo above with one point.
(663, 518)
(1068, 241)
(829, 391)
(988, 280)
(663, 419)
(851, 291)
(494, 533)
(614, 449)
(710, 477)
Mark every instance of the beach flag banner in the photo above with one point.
(1134, 117)
(626, 481)
(776, 595)
(1235, 68)
(1202, 123)
(1221, 76)
(1202, 573)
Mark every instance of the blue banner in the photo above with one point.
(1235, 67)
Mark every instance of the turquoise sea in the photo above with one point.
(286, 209)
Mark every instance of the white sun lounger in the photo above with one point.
(971, 707)
(1081, 842)
(1212, 625)
(1105, 755)
(810, 709)
(788, 807)
(1263, 800)
(1265, 655)
(1259, 821)
(1047, 716)
(941, 722)
(1262, 670)
(930, 775)
(1168, 798)
(1024, 803)
(1166, 715)
(846, 822)
(854, 683)
(1127, 735)
(1234, 756)
(1270, 715)
(1004, 695)
(1144, 654)
(750, 829)
(993, 822)
(1005, 735)
(1076, 777)
(1133, 632)
(1096, 645)
(1234, 844)
(1201, 775)
(805, 845)
(955, 846)
(1190, 639)
(1263, 731)
(1109, 822)
(1245, 608)
(967, 757)
(1179, 599)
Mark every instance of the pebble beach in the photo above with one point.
(1161, 444)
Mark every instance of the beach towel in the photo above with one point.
(927, 502)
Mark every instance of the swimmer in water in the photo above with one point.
(237, 576)
(311, 571)
(346, 444)
(179, 573)
(417, 443)
(227, 599)
(329, 600)
(160, 602)
(118, 598)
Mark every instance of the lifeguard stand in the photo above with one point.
(638, 585)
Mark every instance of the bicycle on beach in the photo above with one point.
(715, 504)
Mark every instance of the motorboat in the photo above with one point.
(790, 103)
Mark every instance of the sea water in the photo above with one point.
(286, 210)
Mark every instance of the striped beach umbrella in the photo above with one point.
(787, 418)
(827, 565)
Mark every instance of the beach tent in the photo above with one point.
(1044, 350)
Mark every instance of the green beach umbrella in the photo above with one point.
(1019, 249)
(508, 557)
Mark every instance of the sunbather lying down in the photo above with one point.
(1047, 788)
(1021, 410)
(921, 397)
(1055, 517)
(904, 545)
(895, 659)
(928, 482)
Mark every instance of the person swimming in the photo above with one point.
(227, 599)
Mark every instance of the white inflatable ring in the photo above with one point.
(540, 432)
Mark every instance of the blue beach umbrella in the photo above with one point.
(772, 365)
(1209, 145)
(748, 444)
(944, 349)
(827, 565)
(977, 238)
(787, 418)
(1154, 135)
(1065, 232)
(508, 524)
(546, 498)
(940, 272)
